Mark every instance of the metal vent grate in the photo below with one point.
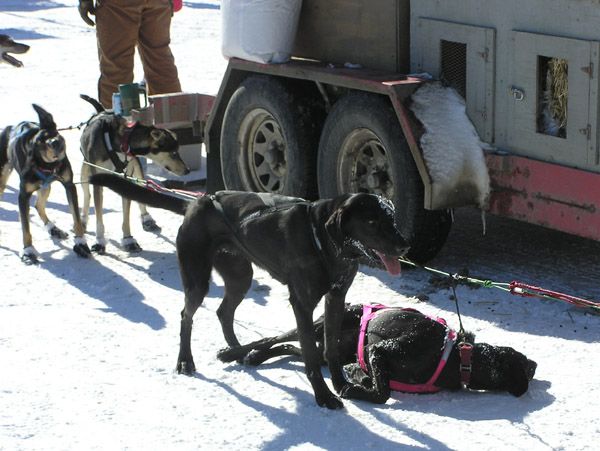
(454, 65)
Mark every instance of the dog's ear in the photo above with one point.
(46, 119)
(334, 225)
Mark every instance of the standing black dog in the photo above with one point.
(313, 247)
(38, 153)
(405, 347)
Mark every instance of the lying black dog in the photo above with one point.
(402, 351)
(38, 153)
(313, 247)
(109, 142)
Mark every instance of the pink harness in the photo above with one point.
(369, 312)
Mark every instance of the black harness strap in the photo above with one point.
(234, 237)
(261, 213)
(119, 164)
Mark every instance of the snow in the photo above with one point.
(88, 347)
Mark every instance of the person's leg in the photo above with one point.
(117, 26)
(153, 45)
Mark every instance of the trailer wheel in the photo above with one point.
(363, 149)
(267, 142)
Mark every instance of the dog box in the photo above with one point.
(180, 110)
(372, 33)
(185, 114)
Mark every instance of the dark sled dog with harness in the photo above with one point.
(403, 350)
(313, 247)
(109, 142)
(38, 153)
(8, 45)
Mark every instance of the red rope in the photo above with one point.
(151, 184)
(525, 290)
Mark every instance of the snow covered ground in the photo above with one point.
(88, 347)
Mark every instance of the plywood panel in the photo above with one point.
(373, 33)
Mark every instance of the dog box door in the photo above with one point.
(554, 99)
(464, 57)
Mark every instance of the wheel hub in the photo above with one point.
(363, 165)
(262, 162)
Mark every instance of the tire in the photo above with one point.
(362, 149)
(268, 142)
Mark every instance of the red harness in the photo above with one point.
(369, 311)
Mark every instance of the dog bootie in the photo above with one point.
(100, 246)
(29, 256)
(149, 224)
(55, 232)
(130, 244)
(81, 248)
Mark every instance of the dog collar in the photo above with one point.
(466, 367)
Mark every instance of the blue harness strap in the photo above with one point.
(46, 176)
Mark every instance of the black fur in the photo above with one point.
(312, 247)
(404, 346)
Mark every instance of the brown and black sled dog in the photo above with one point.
(8, 45)
(312, 247)
(38, 153)
(109, 142)
(402, 350)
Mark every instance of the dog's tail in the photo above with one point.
(140, 194)
(94, 102)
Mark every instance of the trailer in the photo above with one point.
(317, 126)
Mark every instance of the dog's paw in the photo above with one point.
(129, 244)
(187, 368)
(149, 224)
(330, 401)
(253, 358)
(352, 391)
(30, 255)
(55, 232)
(81, 248)
(226, 355)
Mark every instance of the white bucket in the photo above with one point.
(259, 30)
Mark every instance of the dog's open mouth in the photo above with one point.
(11, 60)
(392, 265)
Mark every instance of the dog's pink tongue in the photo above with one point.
(392, 265)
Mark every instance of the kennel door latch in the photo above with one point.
(517, 93)
(589, 70)
(587, 131)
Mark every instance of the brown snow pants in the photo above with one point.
(121, 25)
